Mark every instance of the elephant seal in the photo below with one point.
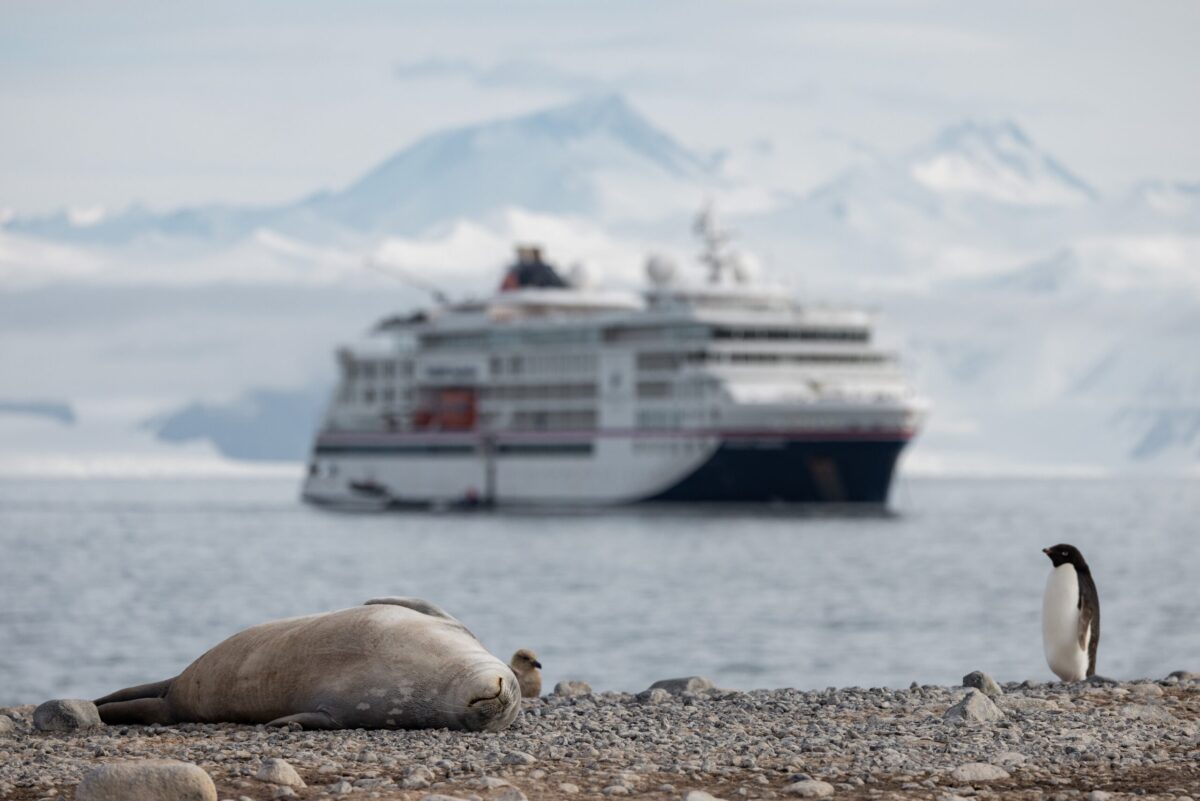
(397, 663)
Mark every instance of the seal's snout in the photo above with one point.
(493, 700)
(499, 691)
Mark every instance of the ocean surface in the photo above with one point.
(108, 583)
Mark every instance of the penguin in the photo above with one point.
(1070, 615)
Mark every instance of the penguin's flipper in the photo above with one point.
(1089, 619)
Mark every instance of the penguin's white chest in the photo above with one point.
(1060, 625)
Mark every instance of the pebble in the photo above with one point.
(809, 788)
(66, 715)
(147, 780)
(983, 682)
(863, 742)
(509, 794)
(656, 695)
(700, 795)
(975, 707)
(978, 772)
(1098, 795)
(279, 771)
(571, 689)
(7, 725)
(688, 684)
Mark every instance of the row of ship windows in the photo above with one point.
(651, 390)
(550, 363)
(371, 394)
(539, 391)
(386, 369)
(389, 369)
(804, 334)
(554, 420)
(711, 357)
(646, 333)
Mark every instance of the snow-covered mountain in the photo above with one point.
(597, 157)
(1052, 326)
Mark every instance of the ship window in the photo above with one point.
(368, 395)
(389, 370)
(654, 389)
(514, 365)
(659, 361)
(497, 365)
(366, 369)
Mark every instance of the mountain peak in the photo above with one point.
(998, 161)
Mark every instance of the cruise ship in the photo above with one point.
(553, 393)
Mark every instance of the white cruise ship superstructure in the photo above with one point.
(550, 394)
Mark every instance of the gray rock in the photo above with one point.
(518, 758)
(978, 772)
(283, 792)
(147, 780)
(1146, 690)
(339, 788)
(568, 788)
(700, 795)
(975, 706)
(690, 684)
(654, 696)
(279, 771)
(615, 789)
(440, 797)
(1147, 712)
(1098, 795)
(983, 682)
(809, 788)
(66, 715)
(1184, 675)
(509, 794)
(7, 725)
(571, 689)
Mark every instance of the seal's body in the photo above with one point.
(393, 663)
(1070, 615)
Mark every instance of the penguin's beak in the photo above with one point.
(1046, 551)
(537, 664)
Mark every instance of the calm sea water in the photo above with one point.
(107, 583)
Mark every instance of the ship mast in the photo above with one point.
(714, 250)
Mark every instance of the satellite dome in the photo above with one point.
(660, 270)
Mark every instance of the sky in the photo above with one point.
(171, 104)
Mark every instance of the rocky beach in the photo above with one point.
(682, 739)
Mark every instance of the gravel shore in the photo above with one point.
(1055, 741)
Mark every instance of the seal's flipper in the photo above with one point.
(309, 720)
(142, 711)
(415, 604)
(157, 689)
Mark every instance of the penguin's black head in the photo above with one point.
(1063, 554)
